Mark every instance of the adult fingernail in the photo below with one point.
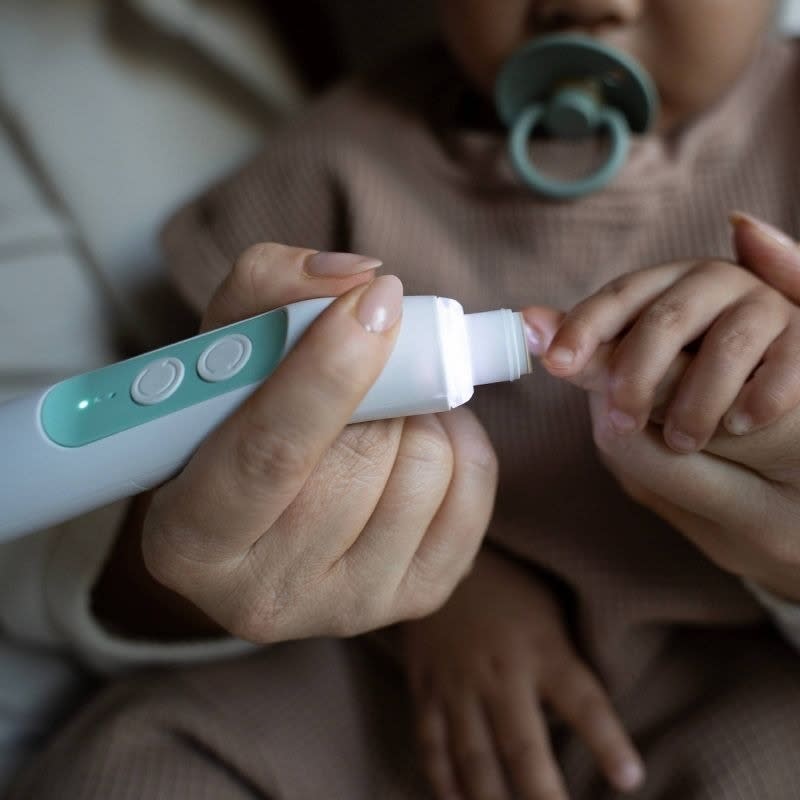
(381, 304)
(622, 422)
(339, 265)
(738, 423)
(629, 776)
(776, 236)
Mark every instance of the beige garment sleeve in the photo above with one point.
(46, 582)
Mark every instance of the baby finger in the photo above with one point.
(522, 738)
(774, 390)
(582, 703)
(675, 319)
(605, 315)
(479, 771)
(730, 351)
(432, 738)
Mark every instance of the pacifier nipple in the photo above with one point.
(572, 87)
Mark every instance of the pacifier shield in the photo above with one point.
(573, 86)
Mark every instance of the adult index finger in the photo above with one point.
(269, 275)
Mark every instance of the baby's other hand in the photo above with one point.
(629, 340)
(481, 668)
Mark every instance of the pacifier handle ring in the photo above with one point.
(609, 119)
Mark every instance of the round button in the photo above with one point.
(157, 381)
(224, 358)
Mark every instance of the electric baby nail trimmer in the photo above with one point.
(124, 428)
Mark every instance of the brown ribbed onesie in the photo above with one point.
(390, 169)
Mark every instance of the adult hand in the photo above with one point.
(739, 499)
(286, 523)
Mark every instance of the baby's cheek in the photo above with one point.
(697, 49)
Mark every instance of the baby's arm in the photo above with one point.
(480, 670)
(725, 342)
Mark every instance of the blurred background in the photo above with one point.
(113, 113)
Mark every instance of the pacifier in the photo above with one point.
(572, 87)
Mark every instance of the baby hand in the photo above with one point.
(631, 336)
(480, 670)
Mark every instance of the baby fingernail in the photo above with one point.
(777, 236)
(561, 357)
(681, 441)
(629, 776)
(622, 422)
(738, 423)
(333, 265)
(381, 304)
(534, 341)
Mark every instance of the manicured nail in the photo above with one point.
(681, 441)
(534, 341)
(738, 423)
(777, 236)
(381, 304)
(622, 422)
(561, 357)
(339, 265)
(629, 776)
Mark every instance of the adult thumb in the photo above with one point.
(767, 252)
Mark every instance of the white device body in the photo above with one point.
(432, 368)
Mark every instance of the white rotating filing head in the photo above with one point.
(497, 345)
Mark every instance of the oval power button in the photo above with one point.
(224, 358)
(157, 381)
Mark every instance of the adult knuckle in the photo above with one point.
(169, 549)
(481, 460)
(344, 373)
(359, 447)
(429, 446)
(249, 269)
(424, 595)
(160, 557)
(259, 613)
(254, 624)
(263, 450)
